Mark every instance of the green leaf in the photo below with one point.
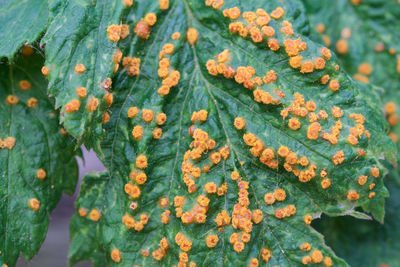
(371, 31)
(106, 237)
(38, 145)
(366, 243)
(22, 21)
(78, 35)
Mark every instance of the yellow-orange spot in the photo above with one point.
(34, 204)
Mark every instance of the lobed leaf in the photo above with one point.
(365, 35)
(37, 161)
(173, 186)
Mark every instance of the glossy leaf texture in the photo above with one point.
(367, 243)
(366, 37)
(253, 145)
(79, 55)
(22, 22)
(37, 161)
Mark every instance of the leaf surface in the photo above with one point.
(100, 231)
(78, 35)
(40, 165)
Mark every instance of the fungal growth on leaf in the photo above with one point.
(227, 129)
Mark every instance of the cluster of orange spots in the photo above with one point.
(130, 222)
(287, 211)
(132, 65)
(216, 4)
(356, 132)
(147, 117)
(332, 137)
(338, 158)
(199, 116)
(72, 106)
(160, 253)
(301, 108)
(80, 68)
(184, 243)
(24, 85)
(117, 32)
(34, 204)
(242, 217)
(256, 25)
(41, 174)
(212, 241)
(170, 77)
(143, 27)
(164, 4)
(392, 118)
(200, 145)
(220, 66)
(316, 256)
(257, 149)
(292, 159)
(198, 213)
(192, 35)
(223, 219)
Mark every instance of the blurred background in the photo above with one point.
(54, 250)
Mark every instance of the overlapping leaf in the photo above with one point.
(22, 21)
(98, 231)
(78, 35)
(371, 32)
(36, 160)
